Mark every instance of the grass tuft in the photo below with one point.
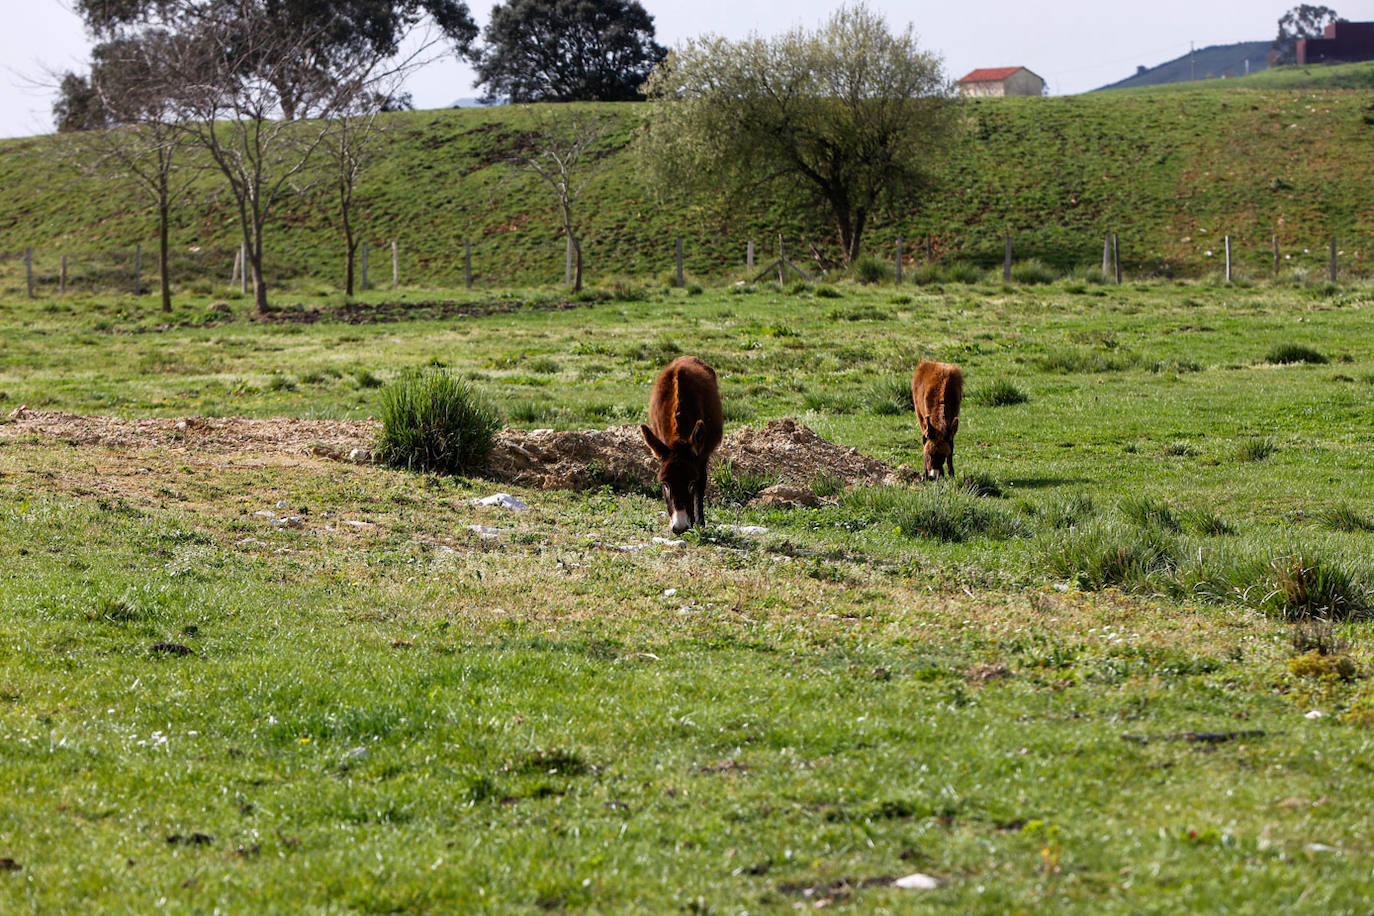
(943, 511)
(1149, 513)
(1256, 449)
(1285, 354)
(1344, 517)
(434, 422)
(871, 270)
(1102, 555)
(890, 397)
(737, 485)
(1001, 393)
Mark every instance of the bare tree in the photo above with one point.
(143, 143)
(562, 152)
(348, 147)
(227, 76)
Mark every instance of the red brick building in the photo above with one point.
(1341, 42)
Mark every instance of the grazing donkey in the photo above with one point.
(937, 389)
(684, 428)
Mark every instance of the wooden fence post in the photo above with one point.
(28, 269)
(62, 280)
(899, 261)
(1333, 259)
(749, 255)
(782, 263)
(395, 265)
(467, 264)
(138, 270)
(1006, 258)
(1276, 257)
(365, 246)
(1228, 259)
(1116, 256)
(679, 282)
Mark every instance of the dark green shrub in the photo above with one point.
(871, 270)
(434, 422)
(1256, 449)
(826, 291)
(1285, 354)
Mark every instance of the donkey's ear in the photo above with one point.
(698, 438)
(655, 444)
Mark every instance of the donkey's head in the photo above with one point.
(938, 445)
(680, 466)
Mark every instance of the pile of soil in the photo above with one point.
(537, 459)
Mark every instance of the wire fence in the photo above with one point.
(541, 259)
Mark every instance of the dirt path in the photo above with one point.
(538, 459)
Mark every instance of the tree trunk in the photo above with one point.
(856, 234)
(164, 270)
(260, 305)
(351, 247)
(577, 264)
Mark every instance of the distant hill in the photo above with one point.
(1215, 62)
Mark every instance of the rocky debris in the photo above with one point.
(746, 529)
(917, 882)
(484, 532)
(785, 496)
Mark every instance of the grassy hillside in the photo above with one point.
(1171, 171)
(1214, 62)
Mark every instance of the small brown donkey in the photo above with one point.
(684, 428)
(937, 389)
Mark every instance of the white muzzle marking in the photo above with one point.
(680, 522)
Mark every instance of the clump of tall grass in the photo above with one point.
(890, 397)
(1284, 354)
(1112, 554)
(1344, 517)
(871, 270)
(1001, 393)
(943, 511)
(737, 485)
(432, 421)
(1149, 513)
(981, 483)
(1078, 359)
(1067, 510)
(1033, 272)
(1256, 449)
(1292, 585)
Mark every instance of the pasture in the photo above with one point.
(1083, 675)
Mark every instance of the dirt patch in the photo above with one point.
(538, 459)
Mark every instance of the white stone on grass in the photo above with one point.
(484, 531)
(670, 542)
(917, 882)
(501, 501)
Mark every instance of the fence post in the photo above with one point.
(62, 281)
(467, 264)
(679, 282)
(28, 269)
(782, 263)
(395, 266)
(749, 255)
(1006, 258)
(1107, 254)
(1333, 259)
(243, 268)
(899, 261)
(138, 270)
(1228, 259)
(1116, 256)
(364, 286)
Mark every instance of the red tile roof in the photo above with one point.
(990, 74)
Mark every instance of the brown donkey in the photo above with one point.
(684, 428)
(938, 389)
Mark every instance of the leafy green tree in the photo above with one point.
(567, 51)
(1302, 21)
(849, 117)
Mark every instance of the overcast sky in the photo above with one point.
(1076, 45)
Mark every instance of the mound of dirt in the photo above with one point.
(538, 459)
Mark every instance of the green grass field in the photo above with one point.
(1090, 692)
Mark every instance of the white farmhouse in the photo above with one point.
(989, 82)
